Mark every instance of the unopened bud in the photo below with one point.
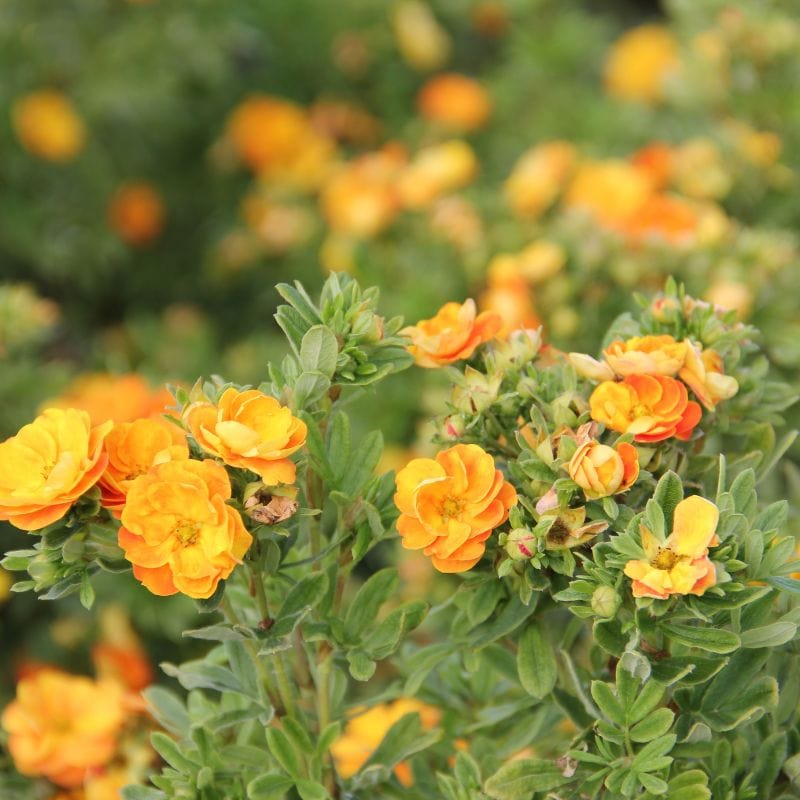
(520, 544)
(453, 427)
(605, 601)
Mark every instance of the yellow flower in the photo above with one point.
(422, 42)
(541, 260)
(646, 355)
(601, 470)
(177, 530)
(609, 190)
(132, 448)
(703, 374)
(639, 63)
(48, 125)
(450, 505)
(455, 102)
(699, 171)
(436, 170)
(453, 334)
(136, 213)
(680, 565)
(63, 726)
(249, 430)
(538, 177)
(48, 465)
(364, 732)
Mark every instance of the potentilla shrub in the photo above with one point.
(593, 602)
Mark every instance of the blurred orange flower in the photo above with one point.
(48, 126)
(652, 407)
(365, 731)
(655, 161)
(62, 726)
(453, 334)
(538, 177)
(48, 465)
(602, 471)
(680, 565)
(249, 430)
(119, 655)
(639, 63)
(450, 505)
(177, 530)
(136, 213)
(421, 40)
(609, 190)
(662, 216)
(436, 170)
(121, 398)
(132, 448)
(455, 102)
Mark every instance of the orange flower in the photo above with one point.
(703, 374)
(47, 125)
(639, 63)
(136, 213)
(177, 531)
(652, 407)
(132, 448)
(249, 430)
(680, 565)
(655, 161)
(121, 398)
(436, 170)
(538, 177)
(664, 217)
(646, 355)
(609, 190)
(365, 731)
(450, 505)
(48, 465)
(119, 655)
(62, 726)
(601, 470)
(455, 101)
(454, 333)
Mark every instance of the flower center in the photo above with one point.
(451, 508)
(666, 559)
(558, 533)
(186, 531)
(640, 410)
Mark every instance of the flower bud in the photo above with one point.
(42, 570)
(520, 544)
(453, 427)
(477, 393)
(605, 601)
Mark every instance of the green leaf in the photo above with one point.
(647, 758)
(608, 702)
(653, 784)
(268, 787)
(318, 351)
(338, 444)
(648, 698)
(652, 726)
(713, 640)
(309, 388)
(514, 613)
(743, 493)
(86, 593)
(280, 747)
(668, 493)
(169, 750)
(387, 636)
(773, 635)
(368, 600)
(536, 663)
(167, 709)
(362, 464)
(519, 780)
(311, 790)
(362, 667)
(141, 793)
(202, 675)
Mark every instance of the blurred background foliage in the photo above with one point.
(165, 164)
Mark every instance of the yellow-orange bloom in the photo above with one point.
(121, 398)
(646, 355)
(63, 726)
(662, 216)
(249, 430)
(132, 448)
(422, 41)
(177, 531)
(680, 565)
(436, 170)
(453, 334)
(48, 465)
(364, 732)
(538, 177)
(639, 63)
(47, 125)
(601, 470)
(652, 407)
(609, 190)
(703, 374)
(450, 505)
(455, 101)
(136, 213)
(656, 162)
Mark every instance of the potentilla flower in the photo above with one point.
(136, 213)
(453, 334)
(48, 465)
(132, 449)
(538, 177)
(646, 355)
(63, 726)
(450, 505)
(455, 101)
(250, 430)
(365, 731)
(177, 530)
(435, 171)
(47, 125)
(703, 374)
(652, 407)
(602, 471)
(679, 565)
